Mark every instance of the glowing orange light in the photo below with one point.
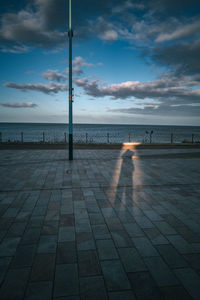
(130, 145)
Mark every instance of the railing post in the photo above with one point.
(172, 138)
(108, 138)
(43, 135)
(192, 138)
(22, 137)
(151, 136)
(129, 137)
(0, 137)
(65, 137)
(86, 138)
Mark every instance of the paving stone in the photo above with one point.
(11, 212)
(88, 263)
(31, 236)
(14, 284)
(115, 277)
(16, 230)
(67, 220)
(66, 234)
(24, 256)
(8, 246)
(100, 231)
(39, 291)
(68, 298)
(5, 223)
(190, 280)
(66, 253)
(66, 280)
(47, 244)
(165, 228)
(133, 229)
(144, 286)
(180, 244)
(144, 247)
(80, 213)
(155, 236)
(52, 215)
(121, 239)
(193, 260)
(125, 216)
(152, 215)
(85, 241)
(39, 211)
(50, 227)
(188, 235)
(4, 264)
(96, 218)
(144, 222)
(43, 267)
(36, 221)
(92, 288)
(171, 256)
(106, 249)
(174, 293)
(108, 212)
(23, 216)
(114, 224)
(128, 295)
(160, 271)
(131, 260)
(82, 225)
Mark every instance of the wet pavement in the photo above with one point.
(112, 224)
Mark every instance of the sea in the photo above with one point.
(98, 133)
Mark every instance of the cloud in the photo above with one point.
(27, 27)
(183, 57)
(19, 104)
(188, 30)
(43, 23)
(161, 89)
(54, 75)
(78, 64)
(161, 110)
(50, 88)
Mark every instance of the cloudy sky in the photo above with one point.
(134, 61)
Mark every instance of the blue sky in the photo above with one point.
(134, 62)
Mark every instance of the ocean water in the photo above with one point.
(97, 133)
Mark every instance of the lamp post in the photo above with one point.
(70, 35)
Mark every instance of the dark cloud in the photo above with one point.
(50, 88)
(161, 110)
(43, 23)
(19, 104)
(183, 58)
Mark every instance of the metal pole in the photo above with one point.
(70, 35)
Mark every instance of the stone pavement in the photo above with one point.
(112, 224)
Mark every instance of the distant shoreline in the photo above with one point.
(100, 124)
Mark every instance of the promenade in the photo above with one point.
(113, 224)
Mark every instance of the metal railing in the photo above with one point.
(104, 137)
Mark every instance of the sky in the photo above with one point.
(134, 61)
